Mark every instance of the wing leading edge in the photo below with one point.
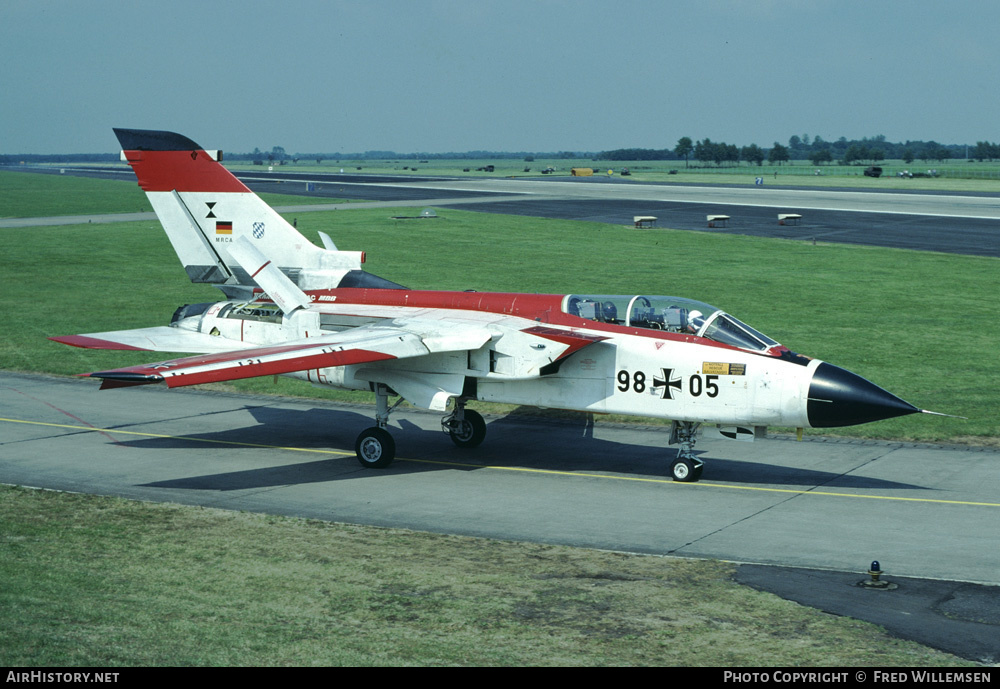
(360, 346)
(245, 363)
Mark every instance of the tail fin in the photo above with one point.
(204, 208)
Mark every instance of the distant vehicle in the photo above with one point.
(873, 171)
(625, 172)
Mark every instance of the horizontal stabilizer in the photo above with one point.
(362, 345)
(157, 339)
(250, 363)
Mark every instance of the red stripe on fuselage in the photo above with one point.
(182, 171)
(541, 308)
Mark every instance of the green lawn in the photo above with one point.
(106, 582)
(32, 195)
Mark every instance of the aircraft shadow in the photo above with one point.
(564, 444)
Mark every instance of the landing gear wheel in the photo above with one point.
(375, 448)
(686, 470)
(470, 431)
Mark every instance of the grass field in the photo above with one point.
(93, 581)
(108, 582)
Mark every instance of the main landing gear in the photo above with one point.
(376, 449)
(466, 427)
(686, 467)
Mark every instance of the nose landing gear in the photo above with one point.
(686, 467)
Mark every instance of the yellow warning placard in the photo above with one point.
(715, 368)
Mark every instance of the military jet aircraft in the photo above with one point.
(299, 310)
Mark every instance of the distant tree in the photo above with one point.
(933, 151)
(753, 154)
(708, 151)
(856, 153)
(820, 156)
(908, 155)
(683, 148)
(778, 154)
(704, 150)
(984, 150)
(728, 153)
(794, 142)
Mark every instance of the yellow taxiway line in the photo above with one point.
(550, 472)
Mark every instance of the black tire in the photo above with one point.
(375, 448)
(471, 431)
(685, 471)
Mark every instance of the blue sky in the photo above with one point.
(505, 75)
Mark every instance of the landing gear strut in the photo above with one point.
(465, 426)
(686, 467)
(375, 447)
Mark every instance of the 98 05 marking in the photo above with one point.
(697, 384)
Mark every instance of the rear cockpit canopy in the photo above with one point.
(671, 314)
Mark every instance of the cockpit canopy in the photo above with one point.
(672, 314)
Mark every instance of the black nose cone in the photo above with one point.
(838, 397)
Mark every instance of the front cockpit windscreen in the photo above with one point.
(672, 314)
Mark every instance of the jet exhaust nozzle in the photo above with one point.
(838, 397)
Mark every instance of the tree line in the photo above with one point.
(864, 151)
(815, 149)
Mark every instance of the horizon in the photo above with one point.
(544, 154)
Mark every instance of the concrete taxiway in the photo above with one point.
(826, 508)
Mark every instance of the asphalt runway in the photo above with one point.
(818, 511)
(950, 223)
(972, 236)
